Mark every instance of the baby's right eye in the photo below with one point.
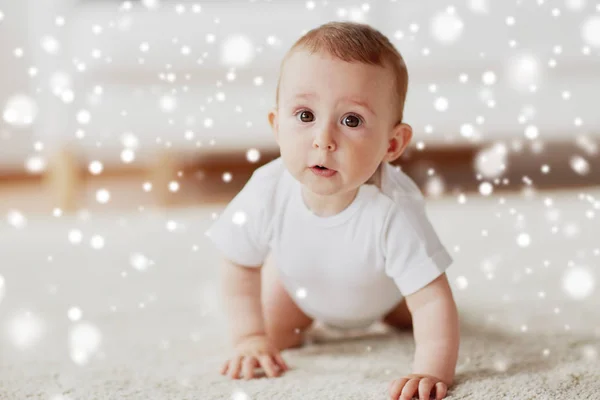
(305, 114)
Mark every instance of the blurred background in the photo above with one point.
(165, 102)
(126, 126)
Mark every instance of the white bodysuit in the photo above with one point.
(347, 270)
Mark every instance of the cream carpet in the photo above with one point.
(136, 315)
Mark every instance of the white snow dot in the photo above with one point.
(491, 162)
(84, 117)
(168, 103)
(489, 78)
(501, 365)
(239, 394)
(50, 45)
(252, 155)
(523, 240)
(239, 218)
(20, 110)
(102, 196)
(127, 156)
(531, 132)
(575, 5)
(441, 104)
(97, 242)
(84, 341)
(486, 188)
(510, 21)
(579, 165)
(171, 225)
(446, 27)
(237, 51)
(301, 293)
(479, 6)
(25, 330)
(139, 261)
(435, 186)
(258, 81)
(462, 282)
(75, 236)
(16, 219)
(467, 130)
(74, 314)
(590, 31)
(523, 71)
(35, 164)
(578, 282)
(173, 186)
(147, 186)
(226, 177)
(208, 123)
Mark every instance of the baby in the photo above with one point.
(330, 231)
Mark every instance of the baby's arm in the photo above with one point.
(437, 333)
(241, 290)
(436, 330)
(242, 299)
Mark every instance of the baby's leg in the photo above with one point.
(400, 317)
(284, 321)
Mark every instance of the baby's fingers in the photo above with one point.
(234, 367)
(440, 390)
(224, 368)
(410, 389)
(266, 362)
(248, 367)
(396, 388)
(279, 361)
(425, 387)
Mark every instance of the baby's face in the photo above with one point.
(335, 114)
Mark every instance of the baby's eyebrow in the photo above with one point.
(359, 102)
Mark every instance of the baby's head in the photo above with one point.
(339, 104)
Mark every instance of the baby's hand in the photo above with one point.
(253, 352)
(423, 387)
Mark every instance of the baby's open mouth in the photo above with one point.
(321, 170)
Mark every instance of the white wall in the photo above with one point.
(136, 88)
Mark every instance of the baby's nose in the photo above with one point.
(324, 141)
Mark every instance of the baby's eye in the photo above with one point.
(305, 116)
(352, 121)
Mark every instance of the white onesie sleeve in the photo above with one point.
(414, 255)
(241, 232)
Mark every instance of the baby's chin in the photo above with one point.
(327, 188)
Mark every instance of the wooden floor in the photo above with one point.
(202, 182)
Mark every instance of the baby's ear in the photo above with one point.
(274, 123)
(399, 140)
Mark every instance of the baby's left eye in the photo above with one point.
(351, 121)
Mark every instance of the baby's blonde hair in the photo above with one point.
(356, 42)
